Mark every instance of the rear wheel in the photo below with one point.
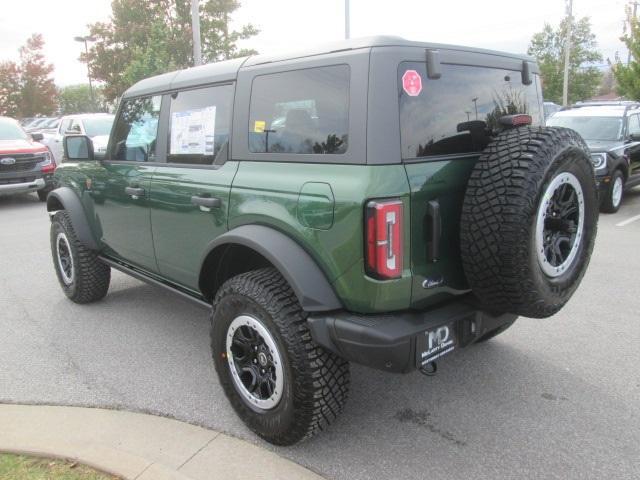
(281, 384)
(529, 221)
(613, 196)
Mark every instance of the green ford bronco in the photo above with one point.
(378, 201)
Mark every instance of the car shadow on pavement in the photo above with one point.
(19, 200)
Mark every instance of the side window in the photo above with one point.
(65, 124)
(302, 111)
(457, 113)
(199, 124)
(75, 127)
(136, 130)
(634, 125)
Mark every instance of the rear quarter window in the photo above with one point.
(301, 111)
(457, 113)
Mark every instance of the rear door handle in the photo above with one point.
(433, 213)
(134, 192)
(210, 202)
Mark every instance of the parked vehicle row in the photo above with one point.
(612, 132)
(28, 158)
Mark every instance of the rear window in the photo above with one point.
(301, 111)
(457, 113)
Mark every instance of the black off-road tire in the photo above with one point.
(499, 218)
(316, 382)
(608, 205)
(495, 332)
(90, 278)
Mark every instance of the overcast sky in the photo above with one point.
(294, 24)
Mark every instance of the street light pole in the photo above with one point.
(85, 39)
(195, 28)
(347, 33)
(635, 9)
(567, 55)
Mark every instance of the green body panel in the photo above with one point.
(182, 231)
(124, 222)
(120, 224)
(268, 193)
(444, 181)
(319, 206)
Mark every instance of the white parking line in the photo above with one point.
(628, 221)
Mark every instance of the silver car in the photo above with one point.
(96, 126)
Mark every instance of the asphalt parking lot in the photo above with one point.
(556, 398)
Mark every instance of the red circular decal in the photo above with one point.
(412, 83)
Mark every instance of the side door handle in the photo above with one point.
(209, 202)
(134, 192)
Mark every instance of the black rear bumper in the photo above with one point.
(388, 341)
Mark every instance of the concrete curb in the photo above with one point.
(137, 446)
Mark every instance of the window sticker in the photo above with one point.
(412, 83)
(193, 131)
(259, 126)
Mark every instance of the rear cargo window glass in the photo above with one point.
(302, 111)
(457, 113)
(199, 124)
(136, 130)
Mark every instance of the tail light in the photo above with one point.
(384, 242)
(516, 120)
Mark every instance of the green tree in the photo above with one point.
(628, 76)
(149, 37)
(37, 89)
(77, 99)
(9, 89)
(548, 46)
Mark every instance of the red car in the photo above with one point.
(25, 164)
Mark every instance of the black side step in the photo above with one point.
(135, 273)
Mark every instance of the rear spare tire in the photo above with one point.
(529, 220)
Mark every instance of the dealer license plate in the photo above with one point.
(435, 343)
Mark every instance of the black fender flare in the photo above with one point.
(308, 281)
(64, 198)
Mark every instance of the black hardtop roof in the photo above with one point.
(227, 70)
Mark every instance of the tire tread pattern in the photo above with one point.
(321, 379)
(498, 217)
(92, 277)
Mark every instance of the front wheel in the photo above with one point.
(281, 384)
(82, 276)
(613, 196)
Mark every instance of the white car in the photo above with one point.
(96, 126)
